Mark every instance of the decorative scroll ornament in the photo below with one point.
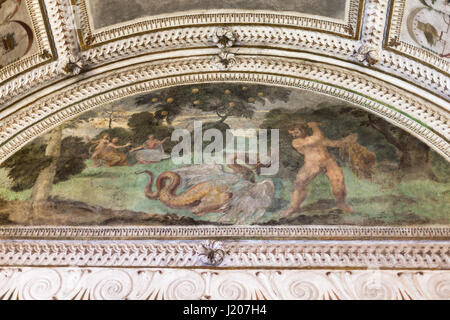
(72, 64)
(212, 253)
(229, 254)
(177, 284)
(225, 60)
(368, 55)
(224, 38)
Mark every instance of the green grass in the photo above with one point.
(118, 188)
(121, 189)
(428, 200)
(5, 191)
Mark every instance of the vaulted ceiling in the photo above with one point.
(61, 57)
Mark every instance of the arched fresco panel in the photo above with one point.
(327, 163)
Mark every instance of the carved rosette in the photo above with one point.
(225, 60)
(71, 64)
(212, 253)
(368, 55)
(224, 38)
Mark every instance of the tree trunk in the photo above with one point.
(43, 185)
(415, 162)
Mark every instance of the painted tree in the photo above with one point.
(44, 182)
(389, 143)
(25, 165)
(112, 113)
(48, 160)
(225, 100)
(41, 161)
(144, 123)
(414, 156)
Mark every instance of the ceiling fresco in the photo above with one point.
(141, 137)
(109, 12)
(420, 29)
(427, 25)
(24, 41)
(325, 163)
(16, 31)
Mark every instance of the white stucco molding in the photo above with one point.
(420, 117)
(43, 52)
(211, 284)
(228, 253)
(123, 43)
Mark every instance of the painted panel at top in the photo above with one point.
(426, 24)
(109, 12)
(16, 32)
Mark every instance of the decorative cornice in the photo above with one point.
(257, 37)
(280, 38)
(204, 36)
(374, 21)
(231, 232)
(402, 109)
(91, 37)
(225, 254)
(207, 284)
(417, 73)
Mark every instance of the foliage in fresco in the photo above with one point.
(339, 165)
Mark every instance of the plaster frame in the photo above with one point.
(410, 93)
(45, 50)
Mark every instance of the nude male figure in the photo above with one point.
(317, 160)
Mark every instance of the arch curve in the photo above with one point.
(419, 117)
